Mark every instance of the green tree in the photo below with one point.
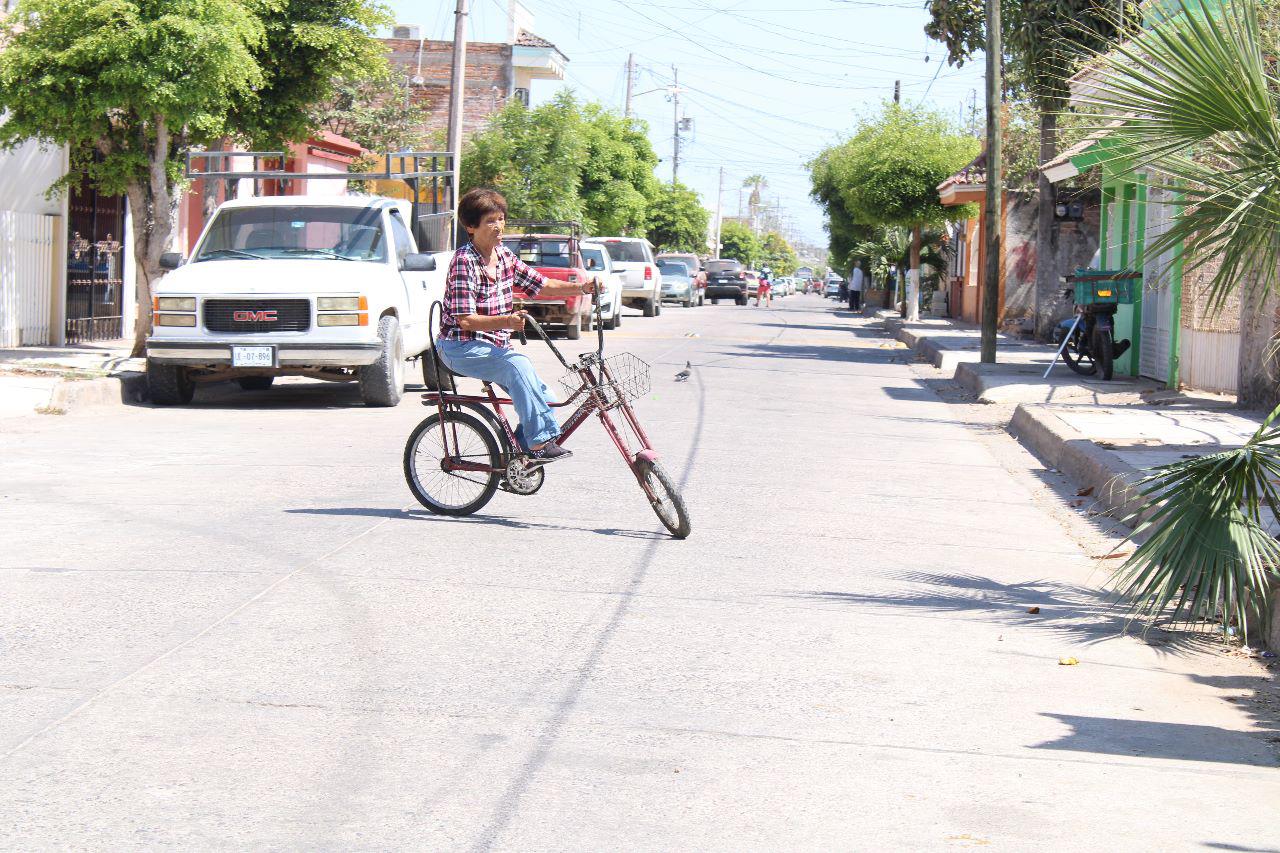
(887, 174)
(1045, 41)
(566, 160)
(778, 254)
(129, 85)
(534, 157)
(371, 108)
(738, 242)
(617, 178)
(677, 220)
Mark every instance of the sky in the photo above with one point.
(769, 83)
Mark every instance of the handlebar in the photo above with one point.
(542, 333)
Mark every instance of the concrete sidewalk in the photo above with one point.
(1018, 376)
(59, 380)
(1104, 436)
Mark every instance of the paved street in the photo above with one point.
(229, 626)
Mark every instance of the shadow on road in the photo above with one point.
(1150, 739)
(1081, 613)
(482, 520)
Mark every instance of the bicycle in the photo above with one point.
(457, 458)
(1089, 346)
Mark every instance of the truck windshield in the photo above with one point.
(542, 252)
(302, 231)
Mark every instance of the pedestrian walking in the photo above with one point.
(764, 290)
(856, 282)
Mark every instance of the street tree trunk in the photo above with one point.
(913, 277)
(1046, 234)
(1258, 375)
(153, 204)
(212, 186)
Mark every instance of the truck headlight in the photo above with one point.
(176, 303)
(341, 303)
(188, 320)
(342, 320)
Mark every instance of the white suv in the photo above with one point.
(326, 286)
(642, 281)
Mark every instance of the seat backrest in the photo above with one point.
(265, 238)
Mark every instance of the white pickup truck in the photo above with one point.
(331, 287)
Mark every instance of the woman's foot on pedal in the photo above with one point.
(549, 452)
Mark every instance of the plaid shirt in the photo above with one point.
(469, 289)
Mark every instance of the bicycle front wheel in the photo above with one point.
(664, 497)
(432, 450)
(1077, 354)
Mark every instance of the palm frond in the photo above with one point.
(1208, 554)
(1200, 107)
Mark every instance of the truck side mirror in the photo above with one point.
(417, 262)
(170, 260)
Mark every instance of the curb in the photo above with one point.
(1061, 446)
(71, 395)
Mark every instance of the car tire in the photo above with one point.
(255, 383)
(617, 318)
(650, 308)
(382, 383)
(715, 301)
(573, 330)
(169, 384)
(686, 303)
(740, 300)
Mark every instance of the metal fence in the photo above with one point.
(26, 277)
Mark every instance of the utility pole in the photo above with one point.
(995, 180)
(631, 76)
(897, 91)
(675, 127)
(719, 196)
(456, 83)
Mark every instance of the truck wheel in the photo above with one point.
(715, 300)
(382, 383)
(430, 376)
(255, 383)
(573, 330)
(169, 384)
(650, 308)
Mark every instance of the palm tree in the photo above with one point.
(757, 183)
(1196, 100)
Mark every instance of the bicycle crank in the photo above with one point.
(522, 479)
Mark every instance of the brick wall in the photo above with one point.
(487, 87)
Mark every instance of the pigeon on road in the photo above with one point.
(686, 373)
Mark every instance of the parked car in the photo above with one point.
(678, 284)
(726, 279)
(642, 281)
(326, 286)
(695, 265)
(832, 289)
(556, 256)
(599, 265)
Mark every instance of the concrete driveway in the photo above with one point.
(227, 626)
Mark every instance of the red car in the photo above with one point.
(556, 256)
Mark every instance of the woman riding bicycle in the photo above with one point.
(478, 318)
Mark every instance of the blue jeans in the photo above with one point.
(514, 374)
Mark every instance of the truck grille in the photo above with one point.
(245, 315)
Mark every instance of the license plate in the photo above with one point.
(253, 356)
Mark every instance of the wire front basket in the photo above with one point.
(624, 377)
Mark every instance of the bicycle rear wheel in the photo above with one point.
(458, 437)
(664, 497)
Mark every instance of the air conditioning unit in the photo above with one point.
(406, 31)
(521, 95)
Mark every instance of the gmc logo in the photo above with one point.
(254, 316)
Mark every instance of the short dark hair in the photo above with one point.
(478, 203)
